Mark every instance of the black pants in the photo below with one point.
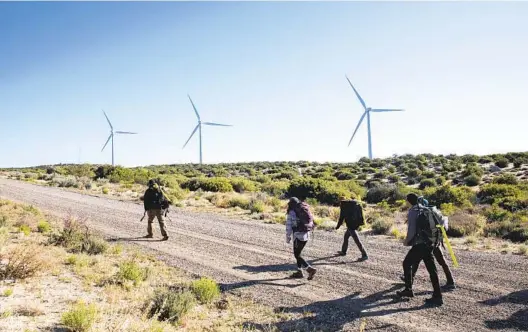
(354, 234)
(298, 247)
(418, 253)
(439, 255)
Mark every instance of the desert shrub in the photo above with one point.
(380, 224)
(464, 224)
(472, 169)
(517, 163)
(132, 272)
(429, 174)
(43, 226)
(459, 196)
(94, 245)
(344, 175)
(239, 201)
(426, 183)
(502, 162)
(290, 175)
(472, 180)
(206, 290)
(506, 179)
(276, 188)
(256, 206)
(241, 185)
(21, 262)
(380, 175)
(447, 209)
(80, 317)
(485, 160)
(324, 191)
(170, 305)
(412, 173)
(516, 232)
(105, 190)
(514, 204)
(440, 180)
(208, 184)
(25, 229)
(76, 237)
(394, 178)
(389, 193)
(495, 193)
(495, 213)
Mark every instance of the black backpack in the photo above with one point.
(426, 227)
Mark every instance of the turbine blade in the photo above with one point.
(357, 94)
(111, 127)
(216, 124)
(195, 110)
(108, 140)
(195, 129)
(125, 132)
(380, 110)
(357, 127)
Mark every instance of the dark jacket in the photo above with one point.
(352, 213)
(152, 199)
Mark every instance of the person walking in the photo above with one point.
(423, 236)
(299, 224)
(153, 200)
(351, 213)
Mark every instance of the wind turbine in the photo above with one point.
(111, 137)
(199, 128)
(367, 114)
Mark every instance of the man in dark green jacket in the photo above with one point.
(152, 202)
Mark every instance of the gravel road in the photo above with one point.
(251, 257)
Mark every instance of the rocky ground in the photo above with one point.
(251, 257)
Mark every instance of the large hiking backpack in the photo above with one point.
(426, 226)
(305, 218)
(352, 211)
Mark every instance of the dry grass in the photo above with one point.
(22, 261)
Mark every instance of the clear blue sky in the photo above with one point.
(276, 71)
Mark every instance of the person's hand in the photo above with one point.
(288, 239)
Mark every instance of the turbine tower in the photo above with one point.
(367, 112)
(199, 128)
(111, 137)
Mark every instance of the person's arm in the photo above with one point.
(289, 230)
(411, 227)
(341, 219)
(146, 199)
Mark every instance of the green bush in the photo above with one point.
(472, 180)
(472, 170)
(426, 183)
(208, 184)
(256, 206)
(206, 290)
(381, 225)
(519, 162)
(506, 179)
(496, 193)
(241, 185)
(276, 188)
(516, 232)
(43, 226)
(459, 196)
(80, 317)
(447, 209)
(440, 180)
(502, 162)
(324, 191)
(495, 213)
(170, 305)
(344, 175)
(239, 201)
(94, 245)
(131, 271)
(25, 229)
(389, 193)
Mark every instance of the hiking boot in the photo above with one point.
(311, 272)
(165, 238)
(148, 236)
(402, 278)
(340, 253)
(405, 293)
(449, 287)
(434, 301)
(297, 275)
(363, 258)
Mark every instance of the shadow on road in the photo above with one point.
(249, 283)
(333, 315)
(291, 266)
(133, 239)
(518, 320)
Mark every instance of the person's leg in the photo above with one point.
(150, 219)
(439, 255)
(355, 236)
(159, 215)
(344, 247)
(428, 258)
(298, 246)
(412, 258)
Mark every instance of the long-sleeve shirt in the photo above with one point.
(291, 221)
(410, 239)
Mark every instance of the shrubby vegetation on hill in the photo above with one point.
(486, 195)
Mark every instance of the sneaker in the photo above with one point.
(340, 253)
(434, 301)
(405, 293)
(311, 272)
(448, 287)
(297, 275)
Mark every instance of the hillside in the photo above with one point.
(483, 195)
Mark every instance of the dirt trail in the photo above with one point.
(250, 256)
